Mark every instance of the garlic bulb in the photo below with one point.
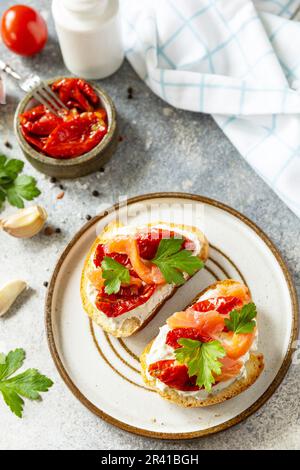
(25, 223)
(8, 294)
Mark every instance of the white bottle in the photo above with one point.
(89, 33)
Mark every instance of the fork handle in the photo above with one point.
(10, 71)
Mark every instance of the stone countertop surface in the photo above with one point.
(163, 149)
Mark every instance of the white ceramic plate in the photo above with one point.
(103, 372)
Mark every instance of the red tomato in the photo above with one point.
(125, 300)
(39, 121)
(222, 305)
(23, 30)
(149, 240)
(76, 137)
(191, 333)
(77, 93)
(173, 375)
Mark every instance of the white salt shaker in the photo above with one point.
(89, 33)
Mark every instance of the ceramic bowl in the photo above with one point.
(78, 166)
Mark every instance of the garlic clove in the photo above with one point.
(8, 294)
(25, 223)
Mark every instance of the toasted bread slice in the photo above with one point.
(130, 322)
(253, 368)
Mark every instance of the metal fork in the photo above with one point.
(40, 91)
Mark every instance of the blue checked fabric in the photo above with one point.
(238, 60)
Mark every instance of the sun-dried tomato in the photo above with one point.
(222, 305)
(74, 132)
(191, 333)
(173, 375)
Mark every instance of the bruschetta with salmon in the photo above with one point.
(130, 272)
(206, 354)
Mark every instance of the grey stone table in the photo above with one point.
(163, 150)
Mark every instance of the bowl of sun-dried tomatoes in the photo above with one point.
(74, 142)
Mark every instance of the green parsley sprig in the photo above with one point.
(28, 384)
(242, 321)
(174, 261)
(114, 274)
(14, 186)
(201, 360)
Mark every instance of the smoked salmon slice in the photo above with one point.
(211, 324)
(230, 368)
(96, 279)
(235, 345)
(208, 323)
(234, 289)
(146, 271)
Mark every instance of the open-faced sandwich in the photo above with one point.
(131, 271)
(206, 354)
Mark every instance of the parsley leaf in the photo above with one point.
(201, 360)
(27, 384)
(2, 160)
(2, 198)
(241, 321)
(9, 169)
(14, 186)
(13, 167)
(114, 274)
(11, 363)
(173, 261)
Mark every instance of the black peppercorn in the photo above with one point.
(130, 93)
(95, 193)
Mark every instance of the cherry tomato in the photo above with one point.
(23, 30)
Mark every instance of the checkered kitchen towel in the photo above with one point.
(238, 60)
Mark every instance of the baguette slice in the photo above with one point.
(132, 321)
(253, 368)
